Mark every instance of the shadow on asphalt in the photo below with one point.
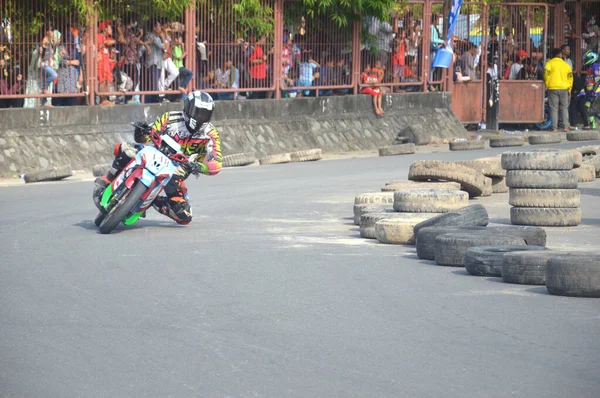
(590, 191)
(539, 290)
(590, 221)
(502, 221)
(90, 226)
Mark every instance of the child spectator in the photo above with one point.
(227, 78)
(307, 75)
(326, 77)
(373, 76)
(185, 75)
(399, 57)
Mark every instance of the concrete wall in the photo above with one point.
(83, 136)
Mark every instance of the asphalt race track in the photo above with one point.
(270, 293)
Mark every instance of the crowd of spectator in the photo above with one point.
(133, 56)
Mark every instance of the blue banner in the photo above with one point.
(443, 57)
(452, 17)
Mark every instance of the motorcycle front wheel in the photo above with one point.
(120, 211)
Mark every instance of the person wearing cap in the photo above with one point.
(518, 65)
(558, 77)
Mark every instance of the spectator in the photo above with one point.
(516, 67)
(566, 54)
(399, 57)
(207, 81)
(527, 71)
(131, 57)
(468, 61)
(307, 74)
(326, 77)
(169, 71)
(68, 76)
(8, 84)
(373, 76)
(591, 33)
(179, 54)
(47, 64)
(154, 61)
(286, 80)
(558, 78)
(436, 43)
(341, 76)
(409, 73)
(227, 78)
(105, 44)
(258, 67)
(290, 53)
(578, 99)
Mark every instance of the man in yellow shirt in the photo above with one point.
(558, 77)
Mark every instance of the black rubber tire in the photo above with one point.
(583, 136)
(487, 260)
(450, 249)
(574, 274)
(99, 218)
(470, 216)
(545, 217)
(525, 268)
(550, 138)
(425, 238)
(541, 179)
(466, 145)
(118, 213)
(471, 180)
(392, 150)
(506, 142)
(52, 174)
(569, 198)
(537, 160)
(238, 159)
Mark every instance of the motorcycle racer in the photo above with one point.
(199, 139)
(591, 60)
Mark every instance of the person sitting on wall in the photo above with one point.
(373, 76)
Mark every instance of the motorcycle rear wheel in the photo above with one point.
(121, 211)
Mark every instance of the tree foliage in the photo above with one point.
(341, 12)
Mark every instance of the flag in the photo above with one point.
(443, 57)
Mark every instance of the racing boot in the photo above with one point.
(99, 187)
(177, 210)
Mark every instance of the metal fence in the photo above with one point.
(129, 52)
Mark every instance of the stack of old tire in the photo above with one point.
(423, 203)
(590, 158)
(370, 208)
(490, 167)
(471, 180)
(542, 188)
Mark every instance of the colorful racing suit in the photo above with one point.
(206, 144)
(592, 89)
